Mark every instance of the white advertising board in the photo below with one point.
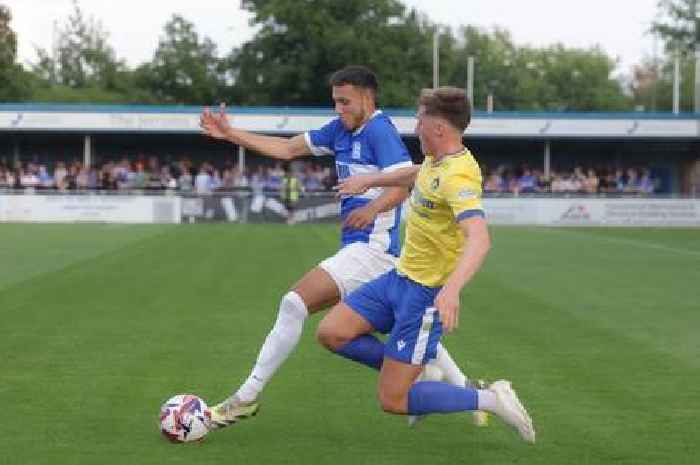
(89, 208)
(594, 212)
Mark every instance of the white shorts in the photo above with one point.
(356, 264)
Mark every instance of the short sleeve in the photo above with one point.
(462, 191)
(389, 150)
(320, 141)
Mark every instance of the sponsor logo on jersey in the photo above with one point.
(466, 194)
(356, 148)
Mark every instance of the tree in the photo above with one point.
(13, 82)
(652, 85)
(83, 56)
(298, 47)
(185, 69)
(553, 78)
(679, 25)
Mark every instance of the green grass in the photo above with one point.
(99, 324)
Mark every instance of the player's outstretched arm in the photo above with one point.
(478, 243)
(359, 184)
(216, 125)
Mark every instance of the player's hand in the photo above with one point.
(353, 185)
(447, 304)
(360, 218)
(215, 124)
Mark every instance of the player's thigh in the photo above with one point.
(317, 289)
(417, 328)
(395, 380)
(341, 325)
(356, 264)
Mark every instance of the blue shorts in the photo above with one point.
(404, 309)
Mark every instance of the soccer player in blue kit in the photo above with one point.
(446, 242)
(363, 141)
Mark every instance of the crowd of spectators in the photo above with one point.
(577, 181)
(206, 177)
(150, 174)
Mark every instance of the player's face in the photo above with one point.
(352, 104)
(426, 130)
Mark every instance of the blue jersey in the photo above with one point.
(372, 148)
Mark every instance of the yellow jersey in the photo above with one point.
(445, 193)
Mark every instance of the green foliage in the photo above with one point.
(13, 82)
(554, 78)
(185, 69)
(299, 46)
(8, 38)
(679, 25)
(652, 85)
(83, 56)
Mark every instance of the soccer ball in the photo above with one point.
(184, 417)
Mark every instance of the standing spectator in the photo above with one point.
(527, 183)
(82, 178)
(202, 182)
(240, 178)
(647, 184)
(632, 185)
(59, 176)
(494, 183)
(185, 180)
(591, 182)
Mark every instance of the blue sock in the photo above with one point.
(365, 349)
(438, 397)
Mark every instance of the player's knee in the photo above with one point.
(329, 336)
(293, 307)
(392, 401)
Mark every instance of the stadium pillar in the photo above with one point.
(241, 159)
(697, 78)
(436, 58)
(547, 158)
(676, 84)
(470, 80)
(693, 13)
(87, 151)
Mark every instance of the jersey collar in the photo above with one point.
(357, 131)
(433, 162)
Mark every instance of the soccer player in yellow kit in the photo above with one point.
(446, 242)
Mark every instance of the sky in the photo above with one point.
(134, 26)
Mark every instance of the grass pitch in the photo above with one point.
(99, 324)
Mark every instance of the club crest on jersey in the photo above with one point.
(356, 150)
(435, 183)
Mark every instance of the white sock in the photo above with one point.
(450, 370)
(280, 342)
(486, 400)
